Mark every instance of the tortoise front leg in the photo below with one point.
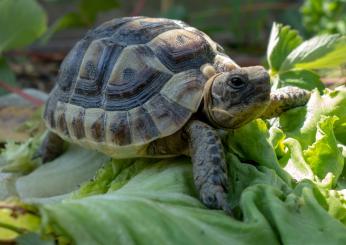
(209, 165)
(284, 99)
(51, 147)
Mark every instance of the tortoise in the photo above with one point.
(156, 87)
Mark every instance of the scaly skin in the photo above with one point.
(209, 165)
(52, 146)
(284, 99)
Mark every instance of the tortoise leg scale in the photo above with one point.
(284, 99)
(51, 147)
(209, 165)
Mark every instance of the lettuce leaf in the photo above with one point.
(323, 155)
(294, 162)
(301, 123)
(159, 204)
(251, 142)
(19, 158)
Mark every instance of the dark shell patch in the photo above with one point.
(167, 115)
(78, 125)
(119, 129)
(97, 128)
(142, 126)
(61, 119)
(88, 91)
(185, 88)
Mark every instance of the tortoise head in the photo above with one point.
(234, 98)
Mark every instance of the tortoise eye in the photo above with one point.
(236, 82)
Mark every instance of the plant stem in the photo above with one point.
(12, 228)
(18, 91)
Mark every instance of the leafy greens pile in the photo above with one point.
(287, 176)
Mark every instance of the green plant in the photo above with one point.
(324, 16)
(293, 61)
(21, 23)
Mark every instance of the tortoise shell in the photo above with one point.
(131, 81)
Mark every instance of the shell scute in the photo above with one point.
(132, 83)
(97, 128)
(92, 61)
(166, 114)
(107, 28)
(75, 121)
(117, 128)
(94, 124)
(143, 30)
(60, 118)
(70, 66)
(185, 88)
(142, 126)
(181, 50)
(91, 82)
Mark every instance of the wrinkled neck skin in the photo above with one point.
(208, 107)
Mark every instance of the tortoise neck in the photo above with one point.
(208, 101)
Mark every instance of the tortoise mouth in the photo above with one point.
(239, 115)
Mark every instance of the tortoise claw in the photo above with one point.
(215, 197)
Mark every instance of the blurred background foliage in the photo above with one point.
(35, 35)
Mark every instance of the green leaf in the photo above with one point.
(111, 177)
(159, 201)
(337, 205)
(21, 23)
(6, 74)
(300, 78)
(299, 217)
(301, 123)
(320, 16)
(282, 41)
(325, 51)
(18, 158)
(76, 165)
(276, 138)
(243, 175)
(295, 164)
(323, 155)
(256, 134)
